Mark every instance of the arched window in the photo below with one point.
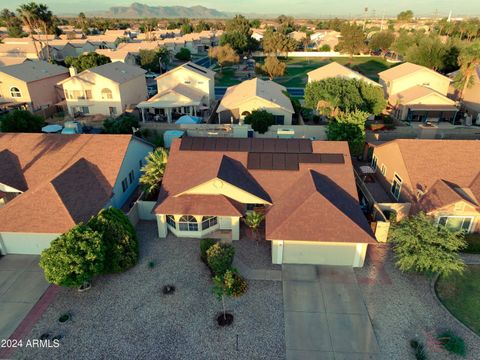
(15, 92)
(171, 221)
(246, 113)
(106, 94)
(208, 221)
(187, 223)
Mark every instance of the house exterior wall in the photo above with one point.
(318, 253)
(46, 91)
(189, 78)
(133, 92)
(255, 103)
(25, 243)
(460, 209)
(431, 99)
(136, 152)
(471, 98)
(438, 82)
(7, 82)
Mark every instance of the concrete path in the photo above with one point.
(21, 285)
(325, 315)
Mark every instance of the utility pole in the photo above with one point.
(365, 19)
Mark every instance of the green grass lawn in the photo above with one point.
(297, 69)
(461, 294)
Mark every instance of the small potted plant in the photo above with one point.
(223, 286)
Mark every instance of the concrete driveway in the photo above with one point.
(325, 315)
(21, 285)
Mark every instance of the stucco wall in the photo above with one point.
(145, 210)
(7, 82)
(188, 78)
(425, 78)
(25, 243)
(45, 91)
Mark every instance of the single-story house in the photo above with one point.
(50, 182)
(334, 70)
(255, 94)
(305, 188)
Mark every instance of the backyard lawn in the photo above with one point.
(297, 69)
(461, 294)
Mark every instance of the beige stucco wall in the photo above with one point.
(424, 77)
(459, 209)
(190, 79)
(471, 97)
(7, 82)
(25, 243)
(319, 253)
(257, 103)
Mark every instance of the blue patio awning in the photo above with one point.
(187, 119)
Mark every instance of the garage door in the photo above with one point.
(25, 243)
(323, 253)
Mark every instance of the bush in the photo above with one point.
(239, 286)
(118, 237)
(260, 120)
(184, 54)
(20, 121)
(220, 258)
(121, 125)
(452, 343)
(205, 244)
(473, 243)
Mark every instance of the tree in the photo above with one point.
(184, 54)
(21, 121)
(403, 43)
(260, 120)
(202, 26)
(275, 42)
(153, 60)
(87, 61)
(255, 23)
(272, 67)
(331, 95)
(469, 61)
(119, 239)
(405, 16)
(29, 14)
(381, 40)
(325, 47)
(74, 258)
(353, 39)
(12, 22)
(350, 127)
(220, 257)
(429, 52)
(223, 286)
(186, 28)
(237, 34)
(152, 172)
(422, 246)
(253, 220)
(224, 54)
(124, 124)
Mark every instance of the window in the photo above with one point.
(279, 119)
(106, 94)
(112, 110)
(187, 82)
(124, 184)
(383, 170)
(374, 162)
(85, 110)
(396, 186)
(456, 223)
(131, 176)
(88, 94)
(171, 221)
(187, 223)
(15, 92)
(75, 94)
(208, 221)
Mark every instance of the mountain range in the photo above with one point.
(137, 10)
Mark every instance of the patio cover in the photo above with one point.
(178, 96)
(426, 107)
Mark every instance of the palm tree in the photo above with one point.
(28, 13)
(469, 60)
(153, 170)
(253, 220)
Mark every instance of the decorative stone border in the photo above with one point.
(433, 282)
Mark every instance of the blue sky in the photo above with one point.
(311, 8)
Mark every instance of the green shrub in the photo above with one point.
(120, 125)
(205, 244)
(452, 342)
(220, 258)
(473, 243)
(239, 286)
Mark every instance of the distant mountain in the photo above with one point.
(137, 10)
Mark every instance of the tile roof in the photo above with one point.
(250, 89)
(207, 205)
(67, 178)
(414, 93)
(198, 69)
(335, 69)
(117, 71)
(311, 188)
(405, 69)
(34, 70)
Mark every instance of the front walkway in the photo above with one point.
(325, 315)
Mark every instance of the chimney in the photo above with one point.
(73, 71)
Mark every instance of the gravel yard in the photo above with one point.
(402, 307)
(126, 316)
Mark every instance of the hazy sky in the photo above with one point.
(312, 8)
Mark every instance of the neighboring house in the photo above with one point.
(135, 47)
(334, 69)
(189, 89)
(305, 188)
(255, 94)
(471, 97)
(50, 182)
(257, 34)
(12, 60)
(118, 55)
(417, 93)
(326, 37)
(23, 49)
(298, 36)
(438, 177)
(107, 89)
(33, 83)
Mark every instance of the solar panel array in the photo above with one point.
(265, 154)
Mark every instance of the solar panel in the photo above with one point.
(233, 145)
(266, 161)
(332, 158)
(291, 161)
(197, 144)
(222, 144)
(209, 144)
(253, 161)
(269, 145)
(293, 146)
(196, 68)
(186, 143)
(305, 146)
(281, 146)
(278, 162)
(309, 158)
(257, 145)
(244, 145)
